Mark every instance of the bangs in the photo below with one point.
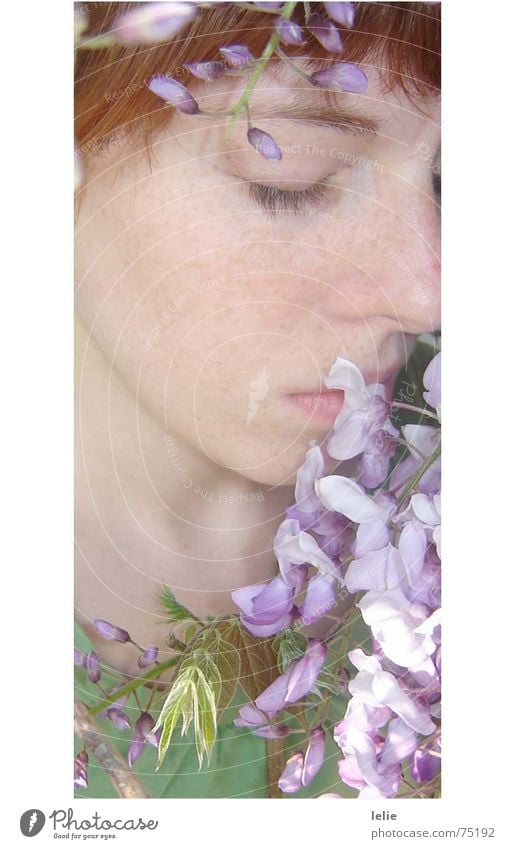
(400, 42)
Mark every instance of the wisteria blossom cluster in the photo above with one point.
(372, 539)
(377, 537)
(158, 22)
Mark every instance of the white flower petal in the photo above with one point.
(345, 496)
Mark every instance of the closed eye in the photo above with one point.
(274, 200)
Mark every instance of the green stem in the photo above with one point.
(428, 462)
(398, 405)
(261, 64)
(133, 685)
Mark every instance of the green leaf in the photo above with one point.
(291, 646)
(175, 610)
(177, 702)
(257, 657)
(204, 713)
(190, 631)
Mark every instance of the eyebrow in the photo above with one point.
(321, 115)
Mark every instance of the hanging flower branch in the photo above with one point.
(156, 22)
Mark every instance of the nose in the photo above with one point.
(393, 248)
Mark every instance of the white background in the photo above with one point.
(37, 473)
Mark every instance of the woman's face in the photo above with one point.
(219, 284)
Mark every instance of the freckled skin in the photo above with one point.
(187, 294)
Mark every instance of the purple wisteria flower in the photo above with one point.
(258, 722)
(153, 22)
(264, 144)
(148, 657)
(111, 632)
(93, 667)
(236, 55)
(362, 425)
(342, 13)
(79, 658)
(142, 736)
(289, 32)
(300, 768)
(174, 93)
(298, 680)
(325, 32)
(118, 718)
(433, 384)
(206, 71)
(80, 771)
(342, 76)
(266, 608)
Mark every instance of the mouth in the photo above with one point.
(320, 406)
(324, 406)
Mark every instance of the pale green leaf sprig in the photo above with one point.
(194, 695)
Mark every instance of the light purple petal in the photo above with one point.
(303, 673)
(272, 732)
(264, 144)
(289, 32)
(205, 70)
(312, 469)
(320, 597)
(268, 630)
(401, 741)
(249, 716)
(433, 383)
(291, 778)
(118, 718)
(244, 597)
(274, 697)
(237, 55)
(111, 632)
(148, 657)
(93, 667)
(342, 76)
(325, 32)
(387, 690)
(273, 602)
(153, 22)
(314, 756)
(345, 496)
(342, 13)
(369, 572)
(174, 93)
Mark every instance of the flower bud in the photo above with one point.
(111, 632)
(148, 657)
(80, 772)
(174, 93)
(289, 32)
(205, 70)
(151, 22)
(79, 658)
(326, 33)
(118, 718)
(264, 144)
(237, 55)
(344, 76)
(342, 13)
(93, 667)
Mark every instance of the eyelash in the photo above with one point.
(274, 200)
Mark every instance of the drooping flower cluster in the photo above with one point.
(383, 546)
(158, 22)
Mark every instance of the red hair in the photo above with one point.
(111, 93)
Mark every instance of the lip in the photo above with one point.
(320, 406)
(323, 406)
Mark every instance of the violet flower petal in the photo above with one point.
(174, 93)
(343, 76)
(326, 33)
(264, 144)
(433, 383)
(93, 667)
(289, 32)
(274, 697)
(205, 70)
(145, 724)
(304, 672)
(320, 598)
(151, 22)
(291, 778)
(314, 756)
(80, 776)
(118, 718)
(342, 13)
(111, 632)
(79, 658)
(237, 55)
(272, 732)
(148, 657)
